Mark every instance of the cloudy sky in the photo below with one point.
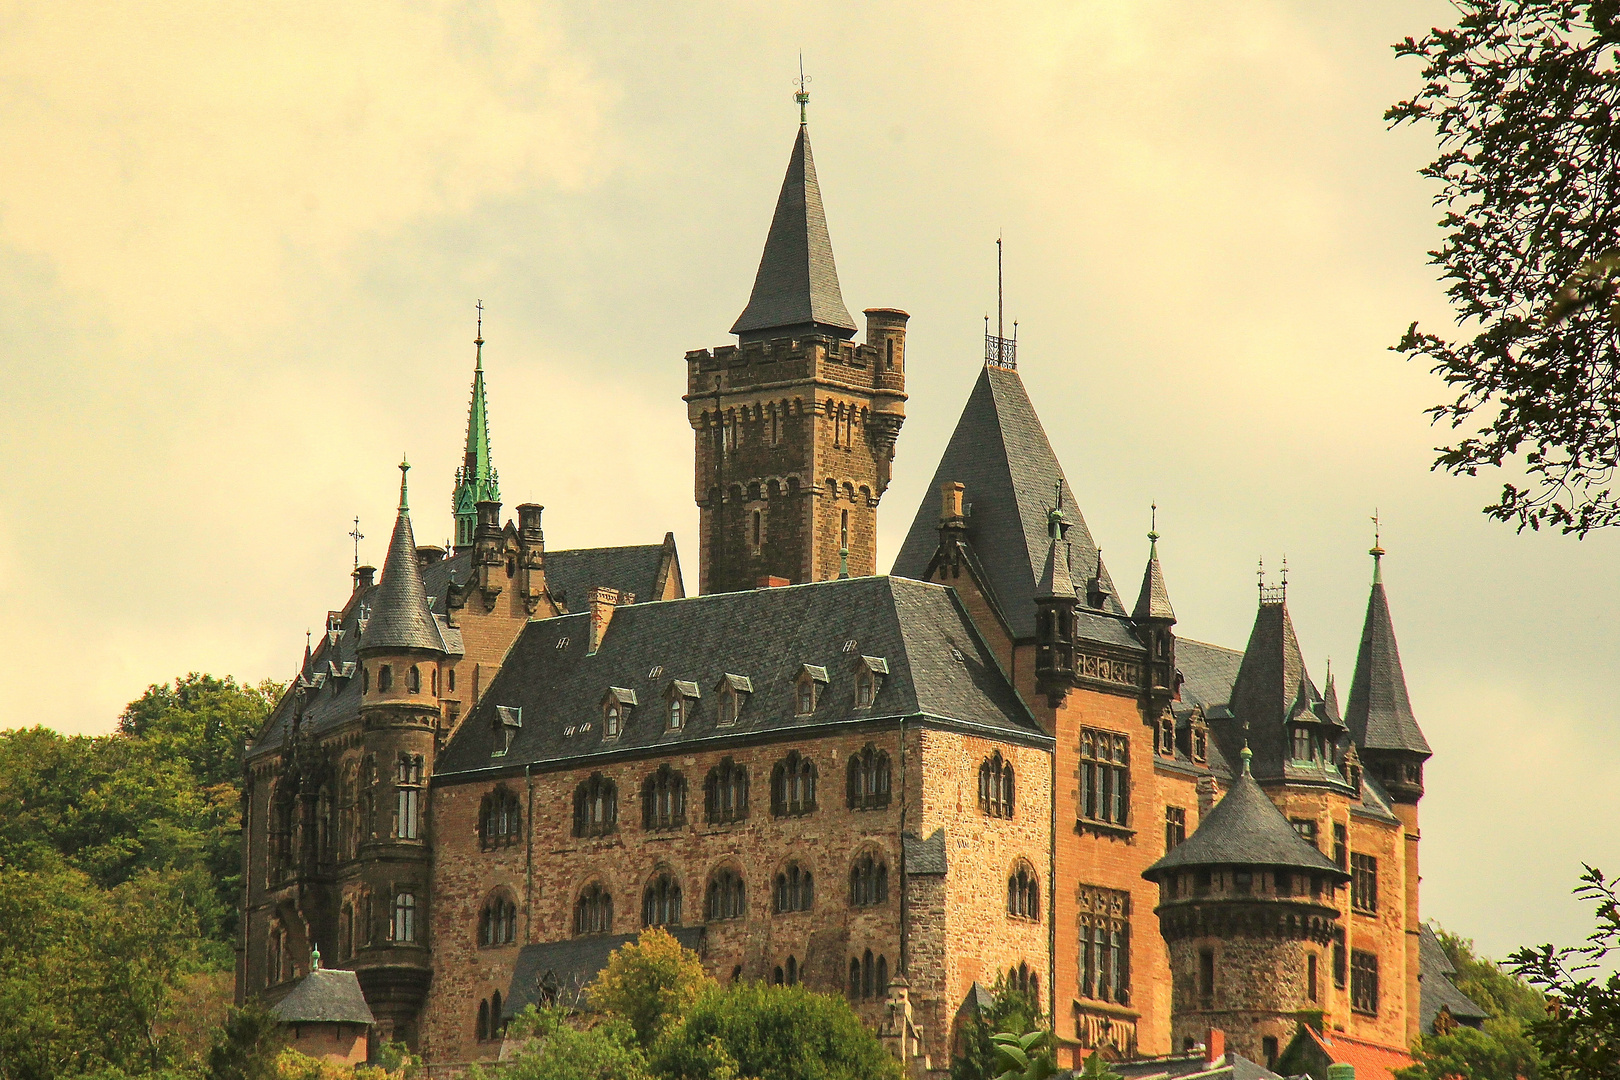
(239, 249)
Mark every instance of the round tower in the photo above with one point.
(1248, 910)
(401, 652)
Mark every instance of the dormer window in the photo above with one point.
(868, 677)
(682, 698)
(808, 690)
(1304, 744)
(508, 722)
(616, 706)
(733, 691)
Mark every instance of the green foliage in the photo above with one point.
(1502, 1050)
(1024, 1057)
(1097, 1069)
(1522, 96)
(556, 1046)
(1009, 1011)
(246, 1047)
(650, 984)
(1578, 1035)
(771, 1033)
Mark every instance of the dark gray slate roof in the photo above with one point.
(324, 996)
(1000, 453)
(399, 612)
(330, 699)
(571, 575)
(1244, 829)
(1379, 712)
(796, 288)
(1436, 988)
(1153, 602)
(1207, 672)
(939, 669)
(563, 969)
(925, 857)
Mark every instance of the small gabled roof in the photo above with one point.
(1002, 457)
(1379, 713)
(1436, 990)
(796, 288)
(400, 618)
(324, 996)
(1245, 829)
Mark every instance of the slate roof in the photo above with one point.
(797, 284)
(324, 996)
(939, 670)
(399, 611)
(1000, 453)
(1436, 990)
(330, 699)
(566, 967)
(1245, 829)
(925, 857)
(1379, 712)
(1207, 672)
(1153, 602)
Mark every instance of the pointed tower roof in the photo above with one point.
(399, 614)
(796, 289)
(1330, 700)
(476, 480)
(1244, 829)
(1379, 713)
(1153, 602)
(1000, 453)
(1271, 686)
(1055, 579)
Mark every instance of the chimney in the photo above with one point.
(529, 525)
(602, 602)
(364, 577)
(950, 503)
(769, 581)
(1215, 1046)
(427, 555)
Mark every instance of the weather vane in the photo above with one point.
(358, 536)
(1377, 551)
(803, 96)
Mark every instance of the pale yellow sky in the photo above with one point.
(239, 248)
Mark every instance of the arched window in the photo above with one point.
(593, 911)
(725, 793)
(596, 806)
(500, 819)
(1023, 893)
(726, 898)
(612, 718)
(404, 917)
(868, 978)
(497, 1025)
(757, 531)
(795, 891)
(483, 1021)
(661, 903)
(869, 881)
(728, 705)
(365, 679)
(497, 925)
(413, 680)
(450, 676)
(996, 786)
(843, 528)
(677, 711)
(793, 786)
(385, 679)
(868, 779)
(408, 797)
(788, 976)
(1024, 980)
(663, 799)
(276, 953)
(346, 932)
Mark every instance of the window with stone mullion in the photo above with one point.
(1104, 777)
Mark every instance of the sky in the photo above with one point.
(240, 248)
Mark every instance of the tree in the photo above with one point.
(1501, 1050)
(1008, 1011)
(1025, 1057)
(650, 983)
(771, 1033)
(553, 1046)
(1522, 96)
(1578, 1035)
(247, 1046)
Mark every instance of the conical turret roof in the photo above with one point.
(1153, 602)
(476, 480)
(1272, 685)
(399, 614)
(1244, 829)
(796, 289)
(1379, 713)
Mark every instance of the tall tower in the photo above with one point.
(795, 425)
(476, 480)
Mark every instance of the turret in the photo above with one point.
(1155, 621)
(1249, 912)
(1379, 712)
(1055, 602)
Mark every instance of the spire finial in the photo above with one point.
(479, 340)
(315, 958)
(1260, 572)
(404, 467)
(1247, 754)
(1153, 528)
(1285, 573)
(843, 563)
(803, 95)
(358, 536)
(1377, 550)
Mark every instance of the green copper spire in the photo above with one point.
(476, 480)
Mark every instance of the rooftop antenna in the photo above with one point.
(999, 350)
(803, 95)
(358, 536)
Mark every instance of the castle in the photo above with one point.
(499, 762)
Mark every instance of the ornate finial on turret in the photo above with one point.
(404, 467)
(843, 563)
(478, 362)
(315, 958)
(1055, 518)
(1260, 572)
(1247, 755)
(1377, 550)
(1284, 582)
(358, 536)
(1153, 529)
(803, 95)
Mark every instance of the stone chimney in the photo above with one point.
(602, 603)
(364, 577)
(428, 554)
(1215, 1046)
(769, 581)
(952, 522)
(531, 555)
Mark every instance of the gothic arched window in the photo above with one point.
(726, 896)
(869, 881)
(996, 796)
(793, 786)
(1023, 893)
(795, 889)
(500, 819)
(663, 799)
(593, 911)
(661, 903)
(868, 779)
(596, 806)
(725, 793)
(497, 924)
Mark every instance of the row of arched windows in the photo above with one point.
(1024, 893)
(868, 980)
(868, 779)
(490, 1024)
(996, 794)
(413, 679)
